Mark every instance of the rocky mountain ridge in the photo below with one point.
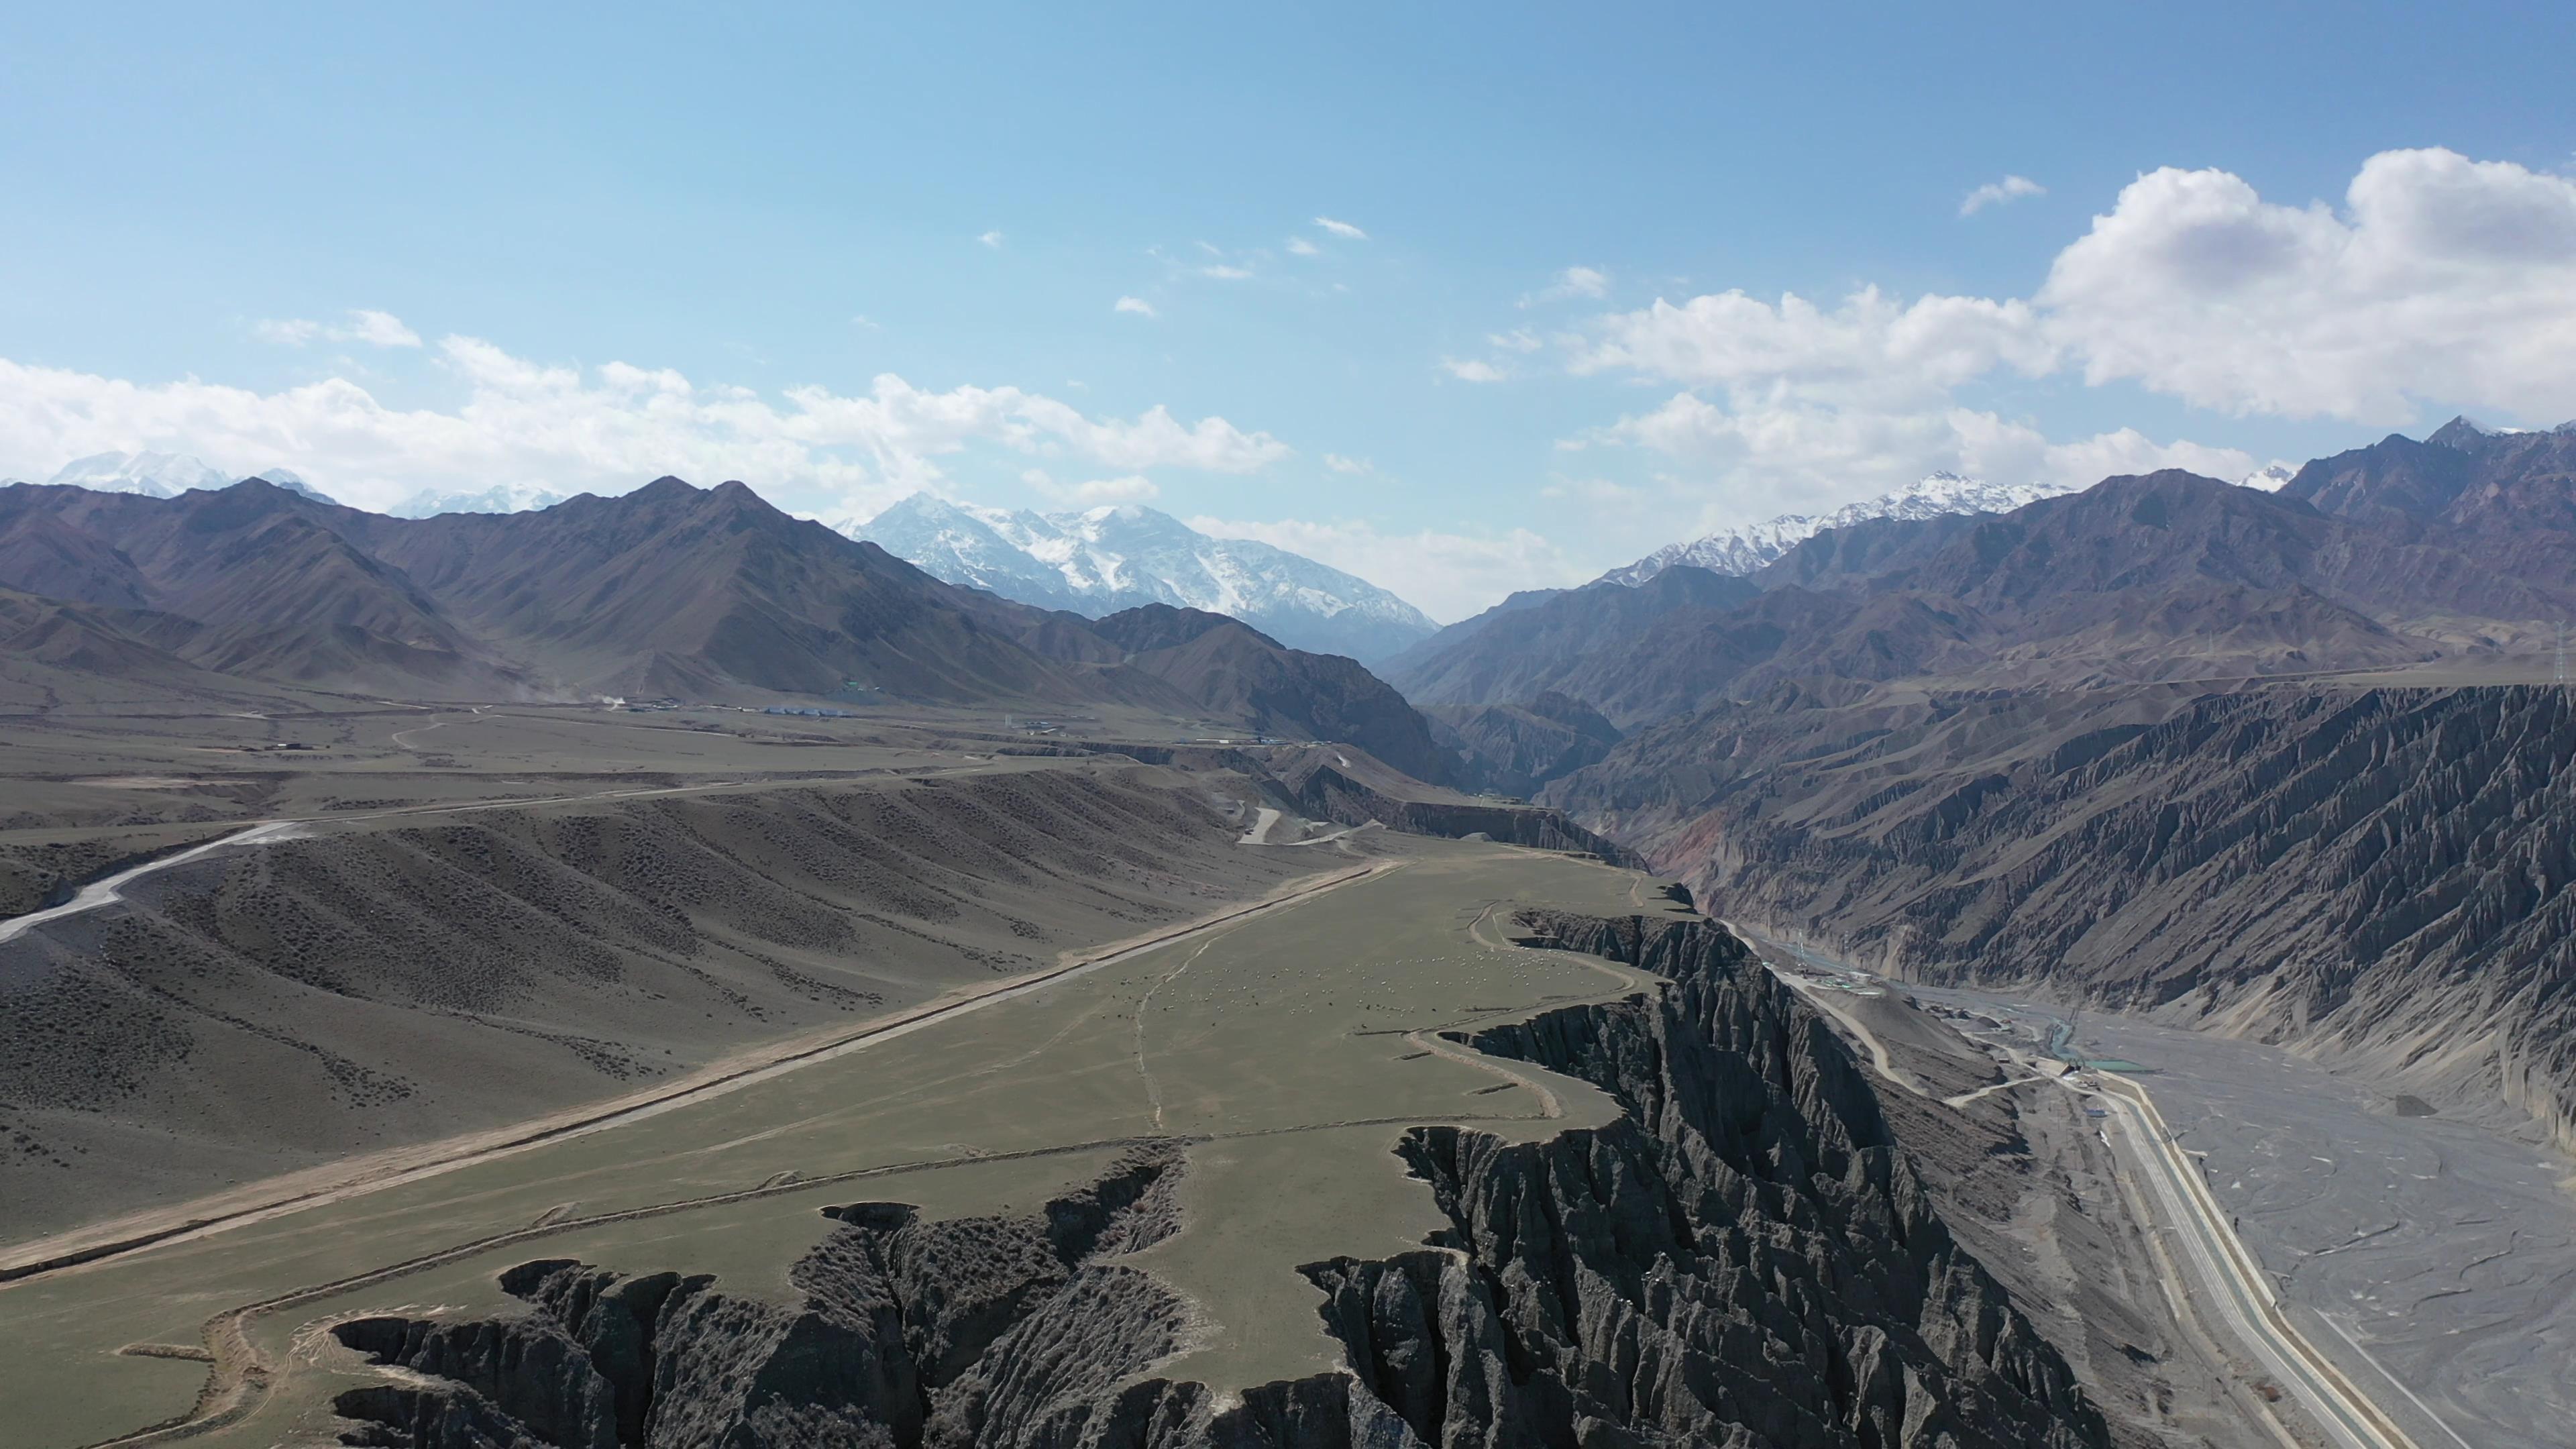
(1748, 549)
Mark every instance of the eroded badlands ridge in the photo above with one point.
(2383, 873)
(1744, 1256)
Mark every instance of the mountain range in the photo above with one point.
(1747, 549)
(667, 591)
(1102, 560)
(499, 498)
(2456, 549)
(164, 475)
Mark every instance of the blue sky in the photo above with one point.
(841, 255)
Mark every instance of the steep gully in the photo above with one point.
(1744, 1256)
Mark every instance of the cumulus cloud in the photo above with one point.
(2442, 278)
(1446, 575)
(604, 429)
(1340, 464)
(1997, 193)
(1137, 305)
(1226, 273)
(1342, 229)
(1519, 339)
(377, 329)
(2439, 282)
(1298, 246)
(1471, 369)
(1868, 343)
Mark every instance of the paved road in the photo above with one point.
(2234, 1284)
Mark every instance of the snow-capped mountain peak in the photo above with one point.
(2271, 479)
(1117, 556)
(1746, 549)
(154, 475)
(499, 498)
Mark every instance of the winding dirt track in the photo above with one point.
(84, 1247)
(102, 892)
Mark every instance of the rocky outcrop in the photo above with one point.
(975, 1331)
(1744, 1257)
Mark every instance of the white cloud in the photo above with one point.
(377, 329)
(286, 331)
(1137, 305)
(1519, 339)
(1590, 282)
(1597, 491)
(991, 239)
(1869, 344)
(1471, 369)
(1758, 456)
(1583, 282)
(1134, 488)
(1225, 273)
(605, 430)
(1340, 464)
(1446, 575)
(1997, 193)
(1342, 229)
(2442, 280)
(1298, 246)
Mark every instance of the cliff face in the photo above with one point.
(2384, 874)
(1744, 1258)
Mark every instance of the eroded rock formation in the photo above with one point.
(1745, 1257)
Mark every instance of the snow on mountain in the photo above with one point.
(1744, 550)
(2268, 480)
(293, 482)
(1102, 560)
(499, 498)
(154, 475)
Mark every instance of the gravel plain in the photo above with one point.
(2434, 1258)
